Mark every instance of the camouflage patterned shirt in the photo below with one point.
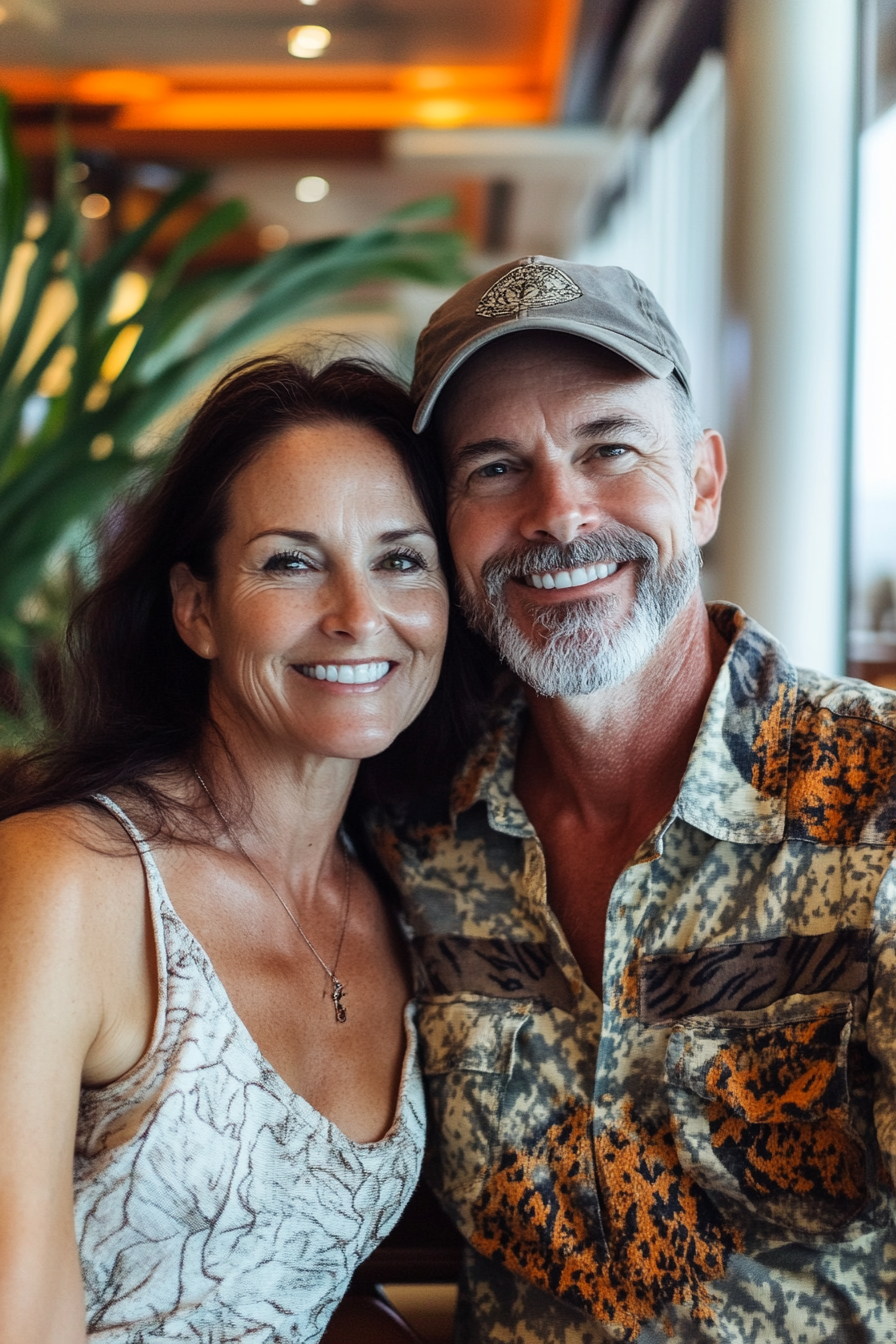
(709, 1154)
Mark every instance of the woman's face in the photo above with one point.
(326, 620)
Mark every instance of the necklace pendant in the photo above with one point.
(338, 992)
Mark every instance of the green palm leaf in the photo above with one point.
(190, 327)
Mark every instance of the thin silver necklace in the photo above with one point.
(338, 990)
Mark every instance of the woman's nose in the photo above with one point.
(352, 611)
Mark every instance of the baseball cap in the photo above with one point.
(603, 304)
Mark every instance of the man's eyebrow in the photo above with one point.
(313, 538)
(604, 426)
(475, 452)
(612, 424)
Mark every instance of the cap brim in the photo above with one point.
(647, 360)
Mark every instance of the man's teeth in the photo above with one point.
(572, 578)
(349, 674)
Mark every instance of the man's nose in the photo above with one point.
(352, 611)
(559, 505)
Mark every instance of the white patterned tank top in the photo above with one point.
(212, 1203)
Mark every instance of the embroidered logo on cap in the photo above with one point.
(533, 285)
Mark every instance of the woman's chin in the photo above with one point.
(347, 744)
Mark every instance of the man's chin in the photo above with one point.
(590, 618)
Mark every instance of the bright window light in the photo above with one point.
(312, 189)
(128, 297)
(308, 40)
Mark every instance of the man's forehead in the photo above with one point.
(550, 372)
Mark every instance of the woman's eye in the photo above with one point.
(287, 562)
(402, 561)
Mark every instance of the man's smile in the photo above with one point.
(572, 578)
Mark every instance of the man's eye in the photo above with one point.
(287, 562)
(611, 450)
(493, 469)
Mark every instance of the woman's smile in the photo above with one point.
(348, 674)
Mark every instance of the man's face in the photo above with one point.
(575, 512)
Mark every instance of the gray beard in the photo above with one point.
(574, 649)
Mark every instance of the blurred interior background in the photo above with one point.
(739, 156)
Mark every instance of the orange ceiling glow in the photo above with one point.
(318, 95)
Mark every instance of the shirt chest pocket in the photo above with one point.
(466, 1050)
(764, 1117)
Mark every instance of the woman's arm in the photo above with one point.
(71, 922)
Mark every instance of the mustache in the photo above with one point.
(613, 542)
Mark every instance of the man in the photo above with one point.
(655, 927)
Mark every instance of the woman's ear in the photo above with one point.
(190, 610)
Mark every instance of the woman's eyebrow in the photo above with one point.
(307, 538)
(402, 533)
(313, 538)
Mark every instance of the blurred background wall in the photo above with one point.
(739, 156)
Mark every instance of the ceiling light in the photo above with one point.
(95, 206)
(272, 237)
(308, 40)
(4, 12)
(309, 2)
(310, 189)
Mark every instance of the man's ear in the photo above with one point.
(190, 610)
(708, 470)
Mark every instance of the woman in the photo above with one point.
(203, 993)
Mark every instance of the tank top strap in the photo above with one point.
(158, 894)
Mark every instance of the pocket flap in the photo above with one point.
(771, 1066)
(469, 1035)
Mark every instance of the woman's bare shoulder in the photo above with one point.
(64, 854)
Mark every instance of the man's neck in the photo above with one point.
(616, 758)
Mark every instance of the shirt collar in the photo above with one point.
(735, 785)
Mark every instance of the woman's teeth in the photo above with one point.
(572, 578)
(349, 674)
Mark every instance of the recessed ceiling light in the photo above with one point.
(308, 40)
(95, 206)
(311, 189)
(309, 2)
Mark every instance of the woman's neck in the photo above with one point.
(284, 806)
